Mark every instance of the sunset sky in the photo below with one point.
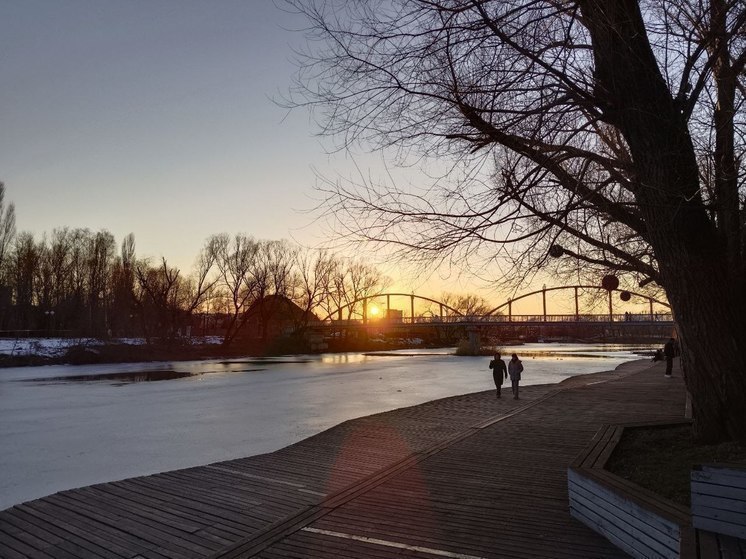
(155, 117)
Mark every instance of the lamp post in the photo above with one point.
(50, 320)
(544, 301)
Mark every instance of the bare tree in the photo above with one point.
(272, 275)
(7, 229)
(202, 282)
(614, 130)
(351, 282)
(234, 259)
(99, 259)
(468, 305)
(123, 288)
(23, 269)
(165, 301)
(313, 281)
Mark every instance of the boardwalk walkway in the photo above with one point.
(463, 477)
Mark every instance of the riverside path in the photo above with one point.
(465, 477)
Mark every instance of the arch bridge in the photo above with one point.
(504, 311)
(412, 298)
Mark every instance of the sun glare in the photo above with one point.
(374, 311)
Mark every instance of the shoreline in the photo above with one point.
(101, 352)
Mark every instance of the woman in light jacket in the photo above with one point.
(515, 368)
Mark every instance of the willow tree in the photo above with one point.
(613, 129)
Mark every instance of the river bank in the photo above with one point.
(32, 352)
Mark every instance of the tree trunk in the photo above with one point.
(710, 325)
(702, 282)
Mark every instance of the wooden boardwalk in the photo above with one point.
(464, 477)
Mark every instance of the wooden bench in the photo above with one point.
(719, 507)
(636, 520)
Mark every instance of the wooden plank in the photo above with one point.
(732, 548)
(688, 543)
(624, 521)
(120, 529)
(269, 536)
(714, 489)
(203, 500)
(588, 456)
(108, 515)
(708, 546)
(120, 505)
(649, 500)
(25, 544)
(209, 513)
(718, 508)
(718, 503)
(587, 489)
(715, 515)
(64, 539)
(108, 546)
(609, 447)
(8, 552)
(720, 527)
(619, 539)
(34, 536)
(733, 475)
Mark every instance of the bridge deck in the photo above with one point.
(469, 476)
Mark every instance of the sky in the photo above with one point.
(161, 118)
(156, 117)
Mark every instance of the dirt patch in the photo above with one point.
(661, 459)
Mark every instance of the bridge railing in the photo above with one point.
(502, 319)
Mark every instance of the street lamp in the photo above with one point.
(50, 320)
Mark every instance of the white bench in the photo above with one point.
(719, 505)
(636, 520)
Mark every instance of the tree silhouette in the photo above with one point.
(612, 130)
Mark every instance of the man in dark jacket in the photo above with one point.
(669, 350)
(499, 372)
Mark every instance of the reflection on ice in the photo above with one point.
(119, 378)
(343, 358)
(128, 377)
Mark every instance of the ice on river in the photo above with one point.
(59, 431)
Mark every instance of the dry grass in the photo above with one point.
(661, 458)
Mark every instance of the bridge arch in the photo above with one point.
(543, 291)
(412, 298)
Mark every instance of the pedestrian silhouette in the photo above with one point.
(499, 372)
(515, 368)
(669, 350)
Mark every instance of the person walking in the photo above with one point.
(669, 350)
(515, 368)
(499, 372)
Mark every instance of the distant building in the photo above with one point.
(394, 315)
(274, 316)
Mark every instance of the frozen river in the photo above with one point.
(59, 429)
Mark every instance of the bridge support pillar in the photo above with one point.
(475, 341)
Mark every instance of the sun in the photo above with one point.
(374, 311)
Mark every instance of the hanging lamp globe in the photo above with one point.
(610, 282)
(555, 251)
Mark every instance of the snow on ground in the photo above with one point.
(55, 347)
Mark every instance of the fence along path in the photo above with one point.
(465, 477)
